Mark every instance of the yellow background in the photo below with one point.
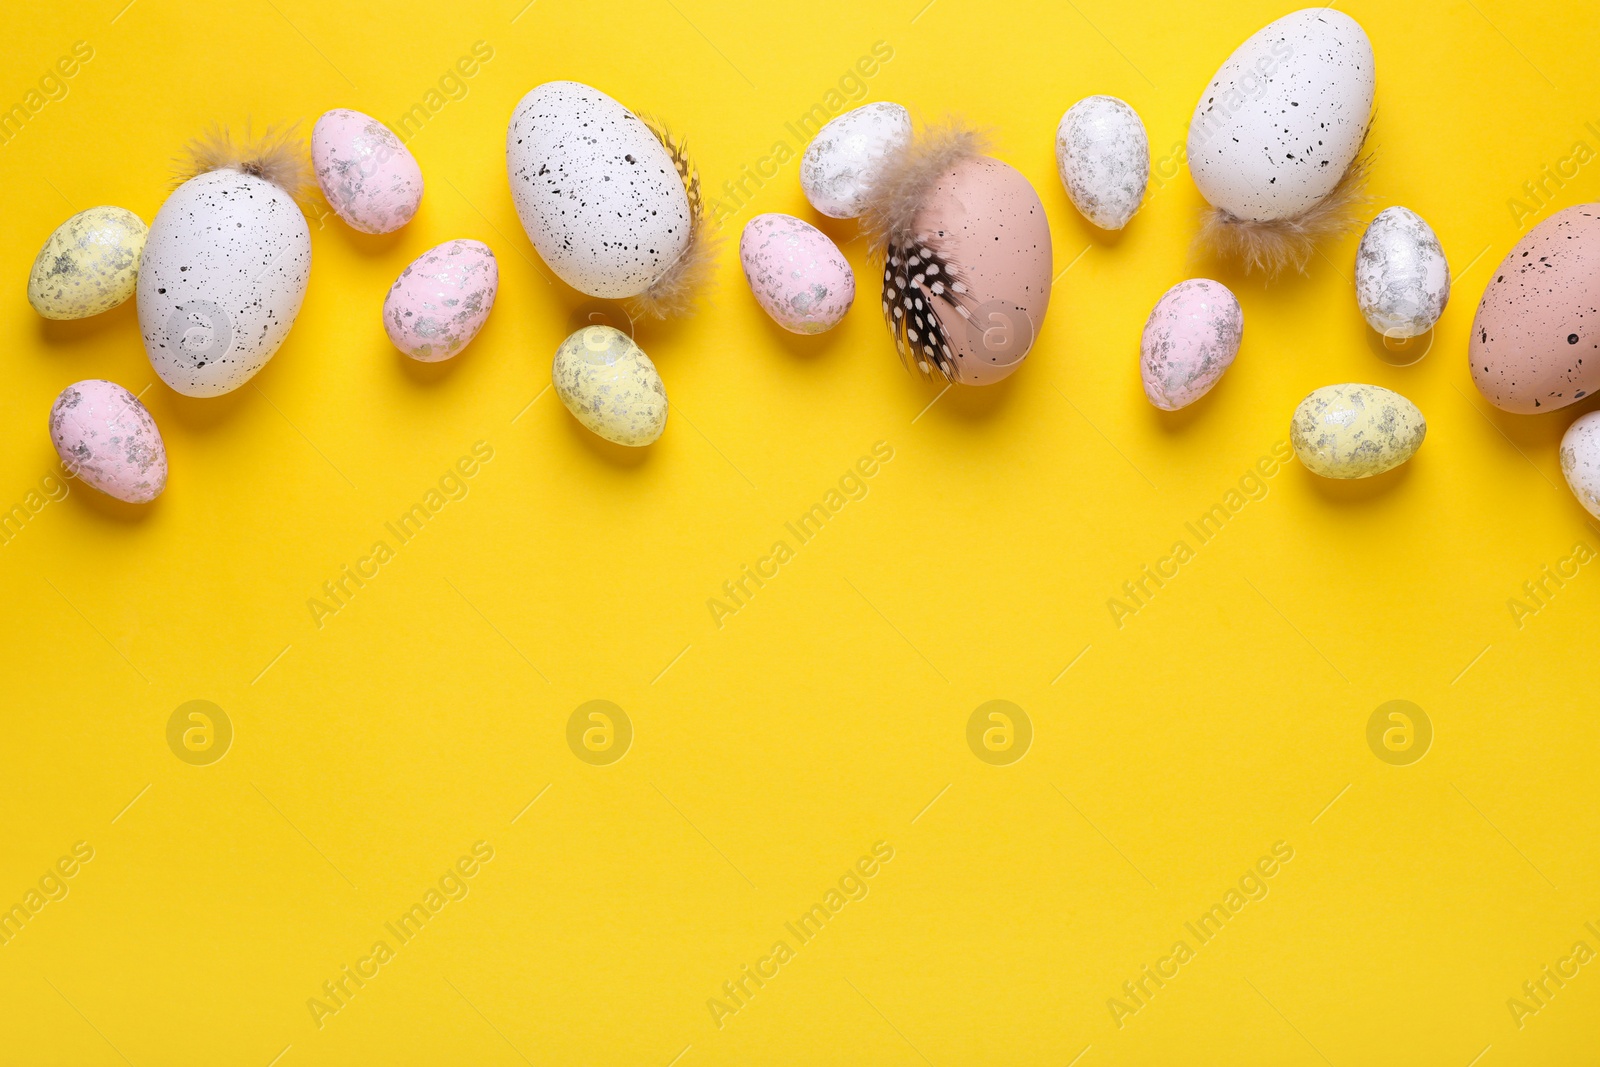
(827, 714)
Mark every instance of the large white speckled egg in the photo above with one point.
(1402, 277)
(1284, 117)
(1580, 460)
(844, 158)
(596, 190)
(1355, 431)
(797, 274)
(106, 437)
(1190, 339)
(440, 302)
(223, 276)
(370, 179)
(89, 264)
(1103, 156)
(610, 386)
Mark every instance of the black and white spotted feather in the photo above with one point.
(913, 274)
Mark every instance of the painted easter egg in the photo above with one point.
(1103, 156)
(797, 274)
(847, 155)
(1402, 277)
(440, 302)
(1580, 460)
(1355, 431)
(369, 178)
(1190, 339)
(89, 264)
(1535, 343)
(610, 386)
(106, 437)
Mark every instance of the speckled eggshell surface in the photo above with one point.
(1535, 342)
(596, 190)
(370, 179)
(610, 386)
(846, 156)
(1355, 431)
(1103, 156)
(107, 438)
(1285, 116)
(223, 276)
(1190, 339)
(798, 276)
(1580, 460)
(987, 221)
(89, 264)
(440, 302)
(1402, 277)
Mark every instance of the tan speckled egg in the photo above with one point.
(985, 221)
(1536, 339)
(610, 386)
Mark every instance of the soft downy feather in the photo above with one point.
(676, 292)
(278, 156)
(1278, 243)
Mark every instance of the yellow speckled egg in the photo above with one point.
(1355, 431)
(89, 265)
(610, 386)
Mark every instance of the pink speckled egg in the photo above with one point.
(371, 180)
(441, 301)
(107, 438)
(1189, 340)
(798, 276)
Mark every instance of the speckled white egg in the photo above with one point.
(797, 274)
(610, 386)
(222, 279)
(596, 190)
(369, 178)
(1284, 117)
(1355, 431)
(89, 264)
(844, 158)
(1190, 340)
(1402, 277)
(106, 437)
(440, 302)
(1103, 156)
(1580, 460)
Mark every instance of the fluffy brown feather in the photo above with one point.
(676, 292)
(1271, 246)
(279, 156)
(895, 198)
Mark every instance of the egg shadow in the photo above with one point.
(1088, 231)
(1400, 353)
(975, 404)
(805, 347)
(109, 508)
(1175, 423)
(203, 414)
(1348, 491)
(370, 245)
(66, 333)
(622, 457)
(425, 373)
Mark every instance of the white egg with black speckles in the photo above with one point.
(844, 158)
(89, 264)
(1284, 117)
(222, 279)
(610, 386)
(1103, 155)
(596, 190)
(1355, 431)
(1402, 277)
(1580, 460)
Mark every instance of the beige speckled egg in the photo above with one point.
(798, 276)
(107, 438)
(1580, 461)
(610, 386)
(440, 302)
(1535, 343)
(371, 180)
(89, 265)
(1355, 431)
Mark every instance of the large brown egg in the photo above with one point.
(981, 261)
(1536, 339)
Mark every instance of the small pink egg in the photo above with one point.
(798, 276)
(370, 179)
(107, 438)
(441, 301)
(1191, 338)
